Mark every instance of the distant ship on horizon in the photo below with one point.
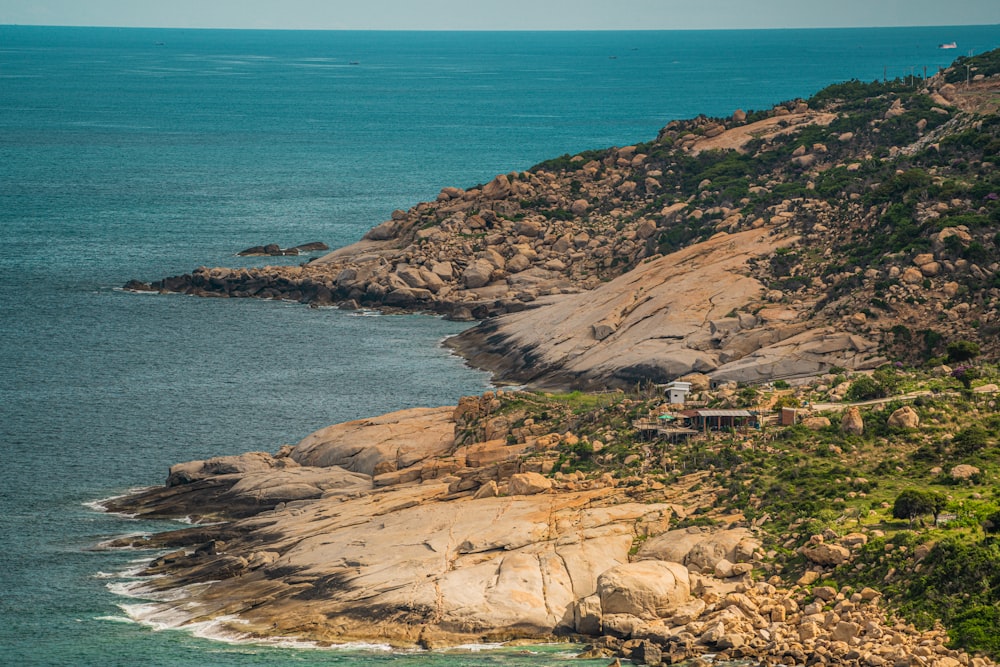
(948, 45)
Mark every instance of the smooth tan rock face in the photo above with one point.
(390, 442)
(668, 318)
(697, 549)
(904, 417)
(300, 483)
(529, 484)
(852, 422)
(646, 589)
(462, 567)
(826, 554)
(190, 471)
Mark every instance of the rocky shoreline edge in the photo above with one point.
(810, 240)
(439, 527)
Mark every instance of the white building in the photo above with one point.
(676, 392)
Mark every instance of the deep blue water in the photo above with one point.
(144, 153)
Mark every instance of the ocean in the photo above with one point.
(128, 153)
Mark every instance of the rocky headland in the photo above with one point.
(444, 526)
(832, 229)
(771, 259)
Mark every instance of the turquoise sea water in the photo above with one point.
(144, 153)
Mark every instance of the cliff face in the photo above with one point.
(879, 203)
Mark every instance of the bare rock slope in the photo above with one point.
(695, 310)
(473, 549)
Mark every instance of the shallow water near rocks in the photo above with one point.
(145, 153)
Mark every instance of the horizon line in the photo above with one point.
(567, 30)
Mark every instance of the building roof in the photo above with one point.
(723, 413)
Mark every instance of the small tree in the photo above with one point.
(962, 350)
(786, 402)
(970, 440)
(965, 375)
(913, 503)
(748, 395)
(992, 524)
(865, 388)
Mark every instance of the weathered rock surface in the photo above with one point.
(381, 444)
(646, 589)
(424, 568)
(904, 417)
(185, 473)
(438, 552)
(852, 422)
(700, 549)
(662, 320)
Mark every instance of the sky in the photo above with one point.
(499, 14)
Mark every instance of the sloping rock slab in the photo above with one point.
(380, 444)
(407, 567)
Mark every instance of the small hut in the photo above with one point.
(718, 420)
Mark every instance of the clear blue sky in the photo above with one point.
(500, 14)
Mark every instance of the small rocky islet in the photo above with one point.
(795, 261)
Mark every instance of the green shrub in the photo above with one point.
(865, 388)
(992, 524)
(913, 503)
(975, 629)
(962, 350)
(970, 440)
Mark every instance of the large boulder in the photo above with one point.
(645, 589)
(251, 462)
(587, 616)
(383, 232)
(478, 274)
(381, 444)
(701, 550)
(826, 554)
(498, 188)
(852, 422)
(904, 417)
(815, 423)
(963, 472)
(528, 484)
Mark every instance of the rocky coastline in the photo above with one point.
(437, 527)
(727, 253)
(791, 214)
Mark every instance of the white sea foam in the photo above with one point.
(114, 619)
(107, 544)
(476, 648)
(129, 589)
(161, 615)
(156, 615)
(100, 505)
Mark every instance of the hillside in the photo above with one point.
(519, 515)
(881, 203)
(848, 243)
